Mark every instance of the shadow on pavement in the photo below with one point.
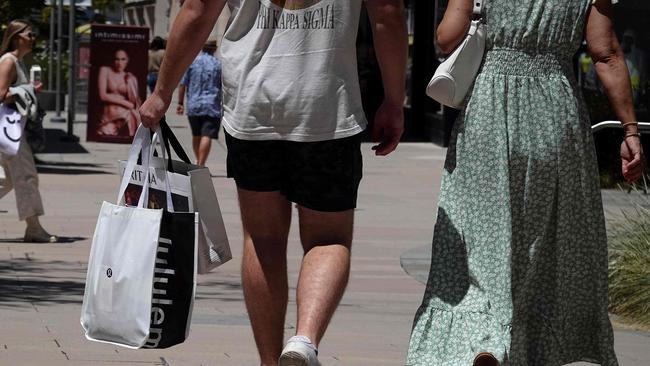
(68, 171)
(25, 282)
(62, 240)
(58, 167)
(54, 145)
(227, 290)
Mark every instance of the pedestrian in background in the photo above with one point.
(156, 54)
(519, 259)
(20, 170)
(202, 86)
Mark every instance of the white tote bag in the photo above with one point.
(117, 300)
(12, 124)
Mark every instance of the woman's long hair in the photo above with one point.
(14, 28)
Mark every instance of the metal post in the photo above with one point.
(59, 64)
(50, 69)
(424, 63)
(72, 77)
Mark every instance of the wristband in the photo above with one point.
(629, 123)
(635, 134)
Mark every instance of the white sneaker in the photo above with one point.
(299, 351)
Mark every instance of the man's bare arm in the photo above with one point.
(191, 29)
(391, 46)
(180, 109)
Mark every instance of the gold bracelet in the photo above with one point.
(635, 134)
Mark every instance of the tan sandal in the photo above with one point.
(39, 236)
(485, 359)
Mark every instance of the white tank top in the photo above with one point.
(290, 70)
(21, 78)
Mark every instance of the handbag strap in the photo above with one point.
(478, 7)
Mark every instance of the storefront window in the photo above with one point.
(410, 21)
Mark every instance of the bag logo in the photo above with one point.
(11, 121)
(109, 273)
(161, 300)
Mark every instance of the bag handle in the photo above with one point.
(169, 138)
(478, 7)
(141, 142)
(168, 190)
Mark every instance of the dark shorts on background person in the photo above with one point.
(322, 176)
(205, 126)
(152, 80)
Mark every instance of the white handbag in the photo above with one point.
(454, 77)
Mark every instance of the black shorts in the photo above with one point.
(322, 176)
(205, 126)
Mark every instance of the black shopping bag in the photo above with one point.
(174, 282)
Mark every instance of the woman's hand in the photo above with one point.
(8, 98)
(153, 110)
(632, 158)
(38, 86)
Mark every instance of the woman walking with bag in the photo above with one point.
(519, 262)
(20, 170)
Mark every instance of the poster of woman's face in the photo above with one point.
(117, 85)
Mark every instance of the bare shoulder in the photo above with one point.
(7, 63)
(7, 66)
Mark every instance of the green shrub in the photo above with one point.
(629, 266)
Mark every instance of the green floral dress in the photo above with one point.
(519, 257)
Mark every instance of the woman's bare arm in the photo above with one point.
(455, 24)
(134, 89)
(612, 71)
(7, 77)
(609, 61)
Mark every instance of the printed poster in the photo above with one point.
(117, 84)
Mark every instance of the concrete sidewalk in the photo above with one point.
(41, 286)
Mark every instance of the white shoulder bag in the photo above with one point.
(454, 77)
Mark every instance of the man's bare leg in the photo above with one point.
(326, 238)
(205, 143)
(196, 142)
(266, 217)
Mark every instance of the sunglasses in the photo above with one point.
(29, 34)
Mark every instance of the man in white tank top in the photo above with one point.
(292, 115)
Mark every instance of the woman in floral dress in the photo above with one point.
(519, 263)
